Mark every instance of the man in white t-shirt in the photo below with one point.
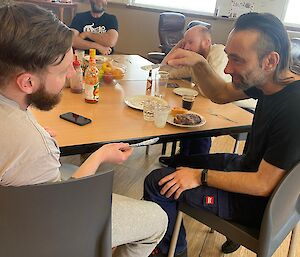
(198, 39)
(36, 58)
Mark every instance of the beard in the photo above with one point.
(251, 79)
(96, 8)
(43, 100)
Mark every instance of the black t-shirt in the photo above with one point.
(86, 22)
(275, 133)
(275, 137)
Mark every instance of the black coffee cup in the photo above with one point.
(187, 101)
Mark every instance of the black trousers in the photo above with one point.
(242, 208)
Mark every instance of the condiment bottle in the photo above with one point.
(91, 79)
(149, 83)
(76, 79)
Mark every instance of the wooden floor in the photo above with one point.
(128, 180)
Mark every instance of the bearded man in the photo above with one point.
(238, 187)
(95, 29)
(36, 58)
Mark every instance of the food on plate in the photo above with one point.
(187, 119)
(178, 110)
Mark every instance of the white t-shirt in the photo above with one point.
(29, 155)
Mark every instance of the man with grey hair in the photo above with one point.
(198, 39)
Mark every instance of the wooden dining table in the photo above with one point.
(114, 121)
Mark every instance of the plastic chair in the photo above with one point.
(196, 23)
(71, 218)
(280, 217)
(295, 55)
(170, 29)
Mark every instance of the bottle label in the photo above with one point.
(148, 87)
(149, 84)
(92, 92)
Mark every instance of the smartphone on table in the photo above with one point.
(75, 118)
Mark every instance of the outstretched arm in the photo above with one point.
(111, 153)
(212, 85)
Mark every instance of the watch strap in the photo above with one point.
(204, 175)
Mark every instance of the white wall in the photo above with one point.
(138, 28)
(276, 7)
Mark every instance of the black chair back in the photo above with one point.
(196, 23)
(170, 29)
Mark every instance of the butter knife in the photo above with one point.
(146, 142)
(152, 66)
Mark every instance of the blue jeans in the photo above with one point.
(226, 205)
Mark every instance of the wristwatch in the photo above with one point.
(204, 176)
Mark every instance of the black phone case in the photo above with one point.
(65, 116)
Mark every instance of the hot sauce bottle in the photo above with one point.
(149, 83)
(91, 79)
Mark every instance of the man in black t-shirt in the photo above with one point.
(95, 29)
(237, 187)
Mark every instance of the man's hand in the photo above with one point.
(180, 44)
(181, 57)
(104, 50)
(83, 35)
(116, 152)
(182, 179)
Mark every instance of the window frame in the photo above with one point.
(288, 24)
(173, 9)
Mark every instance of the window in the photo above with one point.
(195, 6)
(292, 12)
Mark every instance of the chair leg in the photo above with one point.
(293, 243)
(173, 151)
(236, 146)
(164, 148)
(175, 234)
(147, 149)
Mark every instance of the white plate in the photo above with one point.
(137, 101)
(185, 91)
(171, 121)
(99, 58)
